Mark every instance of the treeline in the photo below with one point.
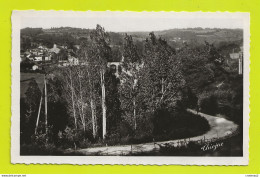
(88, 104)
(32, 37)
(217, 86)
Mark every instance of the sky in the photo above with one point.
(130, 21)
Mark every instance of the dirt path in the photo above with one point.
(219, 128)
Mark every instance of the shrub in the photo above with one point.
(189, 99)
(113, 138)
(35, 149)
(72, 138)
(169, 124)
(84, 143)
(39, 139)
(124, 129)
(209, 105)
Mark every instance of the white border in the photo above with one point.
(140, 160)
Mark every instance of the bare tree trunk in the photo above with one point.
(135, 123)
(79, 107)
(82, 102)
(93, 108)
(162, 86)
(72, 99)
(103, 102)
(38, 116)
(46, 111)
(93, 115)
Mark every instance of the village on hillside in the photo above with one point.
(65, 54)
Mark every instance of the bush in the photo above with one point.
(72, 138)
(124, 129)
(113, 138)
(209, 105)
(169, 124)
(189, 100)
(39, 139)
(35, 149)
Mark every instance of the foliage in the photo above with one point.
(161, 78)
(129, 77)
(57, 107)
(190, 100)
(178, 124)
(28, 110)
(112, 101)
(209, 105)
(26, 65)
(198, 71)
(116, 54)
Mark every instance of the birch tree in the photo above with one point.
(75, 82)
(96, 53)
(129, 80)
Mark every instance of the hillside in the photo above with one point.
(175, 37)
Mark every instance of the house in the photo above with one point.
(238, 56)
(35, 67)
(38, 58)
(55, 49)
(47, 58)
(234, 55)
(73, 60)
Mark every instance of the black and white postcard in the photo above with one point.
(144, 88)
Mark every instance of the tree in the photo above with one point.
(114, 118)
(63, 54)
(190, 100)
(29, 110)
(129, 81)
(92, 80)
(68, 79)
(162, 78)
(160, 81)
(57, 108)
(33, 94)
(116, 54)
(76, 88)
(96, 53)
(209, 105)
(197, 70)
(103, 52)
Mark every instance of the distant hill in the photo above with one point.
(194, 35)
(175, 37)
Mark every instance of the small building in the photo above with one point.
(238, 56)
(234, 55)
(35, 67)
(38, 58)
(47, 58)
(55, 49)
(73, 60)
